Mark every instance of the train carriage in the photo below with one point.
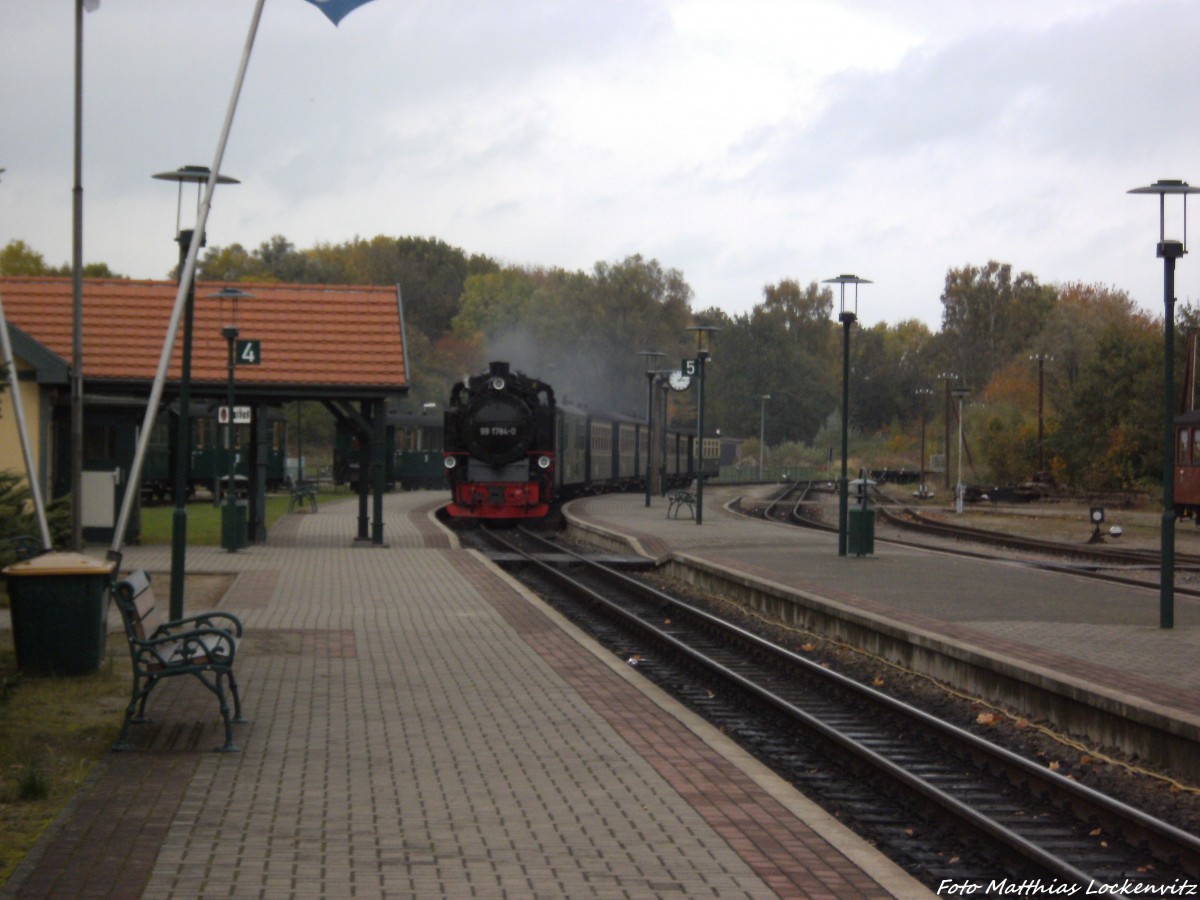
(571, 430)
(418, 439)
(208, 463)
(602, 452)
(625, 453)
(1187, 466)
(348, 449)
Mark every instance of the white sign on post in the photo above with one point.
(241, 415)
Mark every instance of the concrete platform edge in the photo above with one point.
(1106, 718)
(882, 869)
(1112, 702)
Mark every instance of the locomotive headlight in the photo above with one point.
(497, 384)
(450, 462)
(543, 462)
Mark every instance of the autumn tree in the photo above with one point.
(988, 315)
(18, 258)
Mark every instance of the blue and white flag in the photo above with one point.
(337, 10)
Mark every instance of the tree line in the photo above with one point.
(1099, 355)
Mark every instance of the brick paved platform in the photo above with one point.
(422, 727)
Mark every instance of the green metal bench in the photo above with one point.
(203, 645)
(677, 500)
(304, 491)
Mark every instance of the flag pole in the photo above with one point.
(39, 505)
(185, 279)
(77, 297)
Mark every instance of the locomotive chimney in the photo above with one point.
(499, 368)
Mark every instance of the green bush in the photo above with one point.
(17, 516)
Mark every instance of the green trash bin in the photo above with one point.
(235, 525)
(862, 530)
(59, 607)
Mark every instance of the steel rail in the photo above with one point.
(1134, 825)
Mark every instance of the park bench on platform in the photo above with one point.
(678, 499)
(302, 491)
(202, 645)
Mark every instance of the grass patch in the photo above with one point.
(204, 519)
(203, 522)
(53, 731)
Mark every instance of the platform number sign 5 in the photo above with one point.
(691, 368)
(248, 353)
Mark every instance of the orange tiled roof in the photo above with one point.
(332, 337)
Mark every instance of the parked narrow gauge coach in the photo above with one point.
(1187, 466)
(413, 451)
(511, 449)
(208, 462)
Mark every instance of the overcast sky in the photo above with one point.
(739, 141)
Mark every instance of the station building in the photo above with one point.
(341, 345)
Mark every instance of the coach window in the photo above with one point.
(100, 445)
(1195, 435)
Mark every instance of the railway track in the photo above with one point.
(795, 505)
(941, 801)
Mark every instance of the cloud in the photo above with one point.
(740, 142)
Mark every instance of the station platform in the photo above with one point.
(421, 726)
(1011, 619)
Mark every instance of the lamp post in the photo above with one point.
(847, 317)
(960, 394)
(762, 433)
(923, 394)
(1168, 251)
(650, 358)
(702, 356)
(197, 175)
(664, 376)
(230, 534)
(947, 377)
(1042, 359)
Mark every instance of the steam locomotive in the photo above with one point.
(511, 450)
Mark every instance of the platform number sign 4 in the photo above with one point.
(248, 353)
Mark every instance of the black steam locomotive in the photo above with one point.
(499, 446)
(510, 450)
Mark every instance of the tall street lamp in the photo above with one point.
(664, 381)
(1168, 251)
(847, 317)
(650, 358)
(230, 531)
(703, 338)
(762, 433)
(947, 377)
(197, 175)
(1042, 359)
(923, 395)
(960, 394)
